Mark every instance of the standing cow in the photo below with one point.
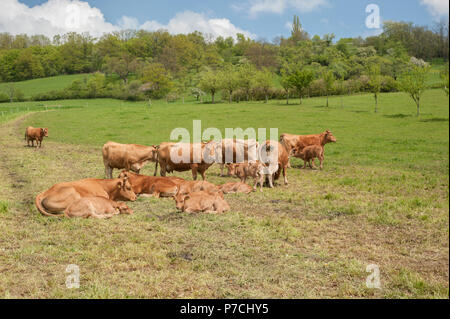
(131, 157)
(35, 134)
(232, 151)
(181, 157)
(299, 142)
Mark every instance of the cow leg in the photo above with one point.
(270, 177)
(221, 170)
(108, 171)
(162, 170)
(321, 159)
(284, 175)
(194, 173)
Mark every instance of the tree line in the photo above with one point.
(137, 64)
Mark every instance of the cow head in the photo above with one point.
(232, 169)
(179, 201)
(329, 138)
(125, 191)
(122, 208)
(44, 132)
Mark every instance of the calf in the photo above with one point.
(96, 207)
(198, 202)
(233, 188)
(246, 170)
(188, 187)
(309, 154)
(35, 134)
(154, 186)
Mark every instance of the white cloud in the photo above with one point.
(188, 21)
(62, 16)
(52, 17)
(254, 7)
(437, 8)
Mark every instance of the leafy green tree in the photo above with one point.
(413, 82)
(285, 82)
(95, 84)
(246, 73)
(264, 80)
(229, 81)
(329, 79)
(122, 65)
(210, 82)
(157, 80)
(300, 80)
(375, 83)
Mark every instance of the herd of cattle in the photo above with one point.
(103, 198)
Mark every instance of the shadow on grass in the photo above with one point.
(397, 116)
(435, 119)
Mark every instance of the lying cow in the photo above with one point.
(181, 157)
(235, 188)
(309, 154)
(131, 157)
(58, 198)
(35, 134)
(188, 187)
(199, 202)
(96, 207)
(154, 186)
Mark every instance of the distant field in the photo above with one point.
(43, 85)
(382, 198)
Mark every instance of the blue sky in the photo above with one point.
(264, 19)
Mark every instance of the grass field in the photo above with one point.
(381, 199)
(44, 85)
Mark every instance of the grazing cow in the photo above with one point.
(131, 157)
(59, 197)
(309, 154)
(230, 151)
(198, 202)
(197, 186)
(35, 134)
(234, 188)
(96, 207)
(150, 185)
(181, 157)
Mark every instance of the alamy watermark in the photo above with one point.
(73, 279)
(373, 281)
(373, 20)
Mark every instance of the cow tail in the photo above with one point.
(40, 207)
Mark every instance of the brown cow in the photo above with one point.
(59, 197)
(154, 186)
(181, 157)
(230, 151)
(201, 202)
(234, 188)
(131, 157)
(301, 141)
(35, 134)
(96, 207)
(246, 170)
(276, 159)
(188, 187)
(309, 154)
